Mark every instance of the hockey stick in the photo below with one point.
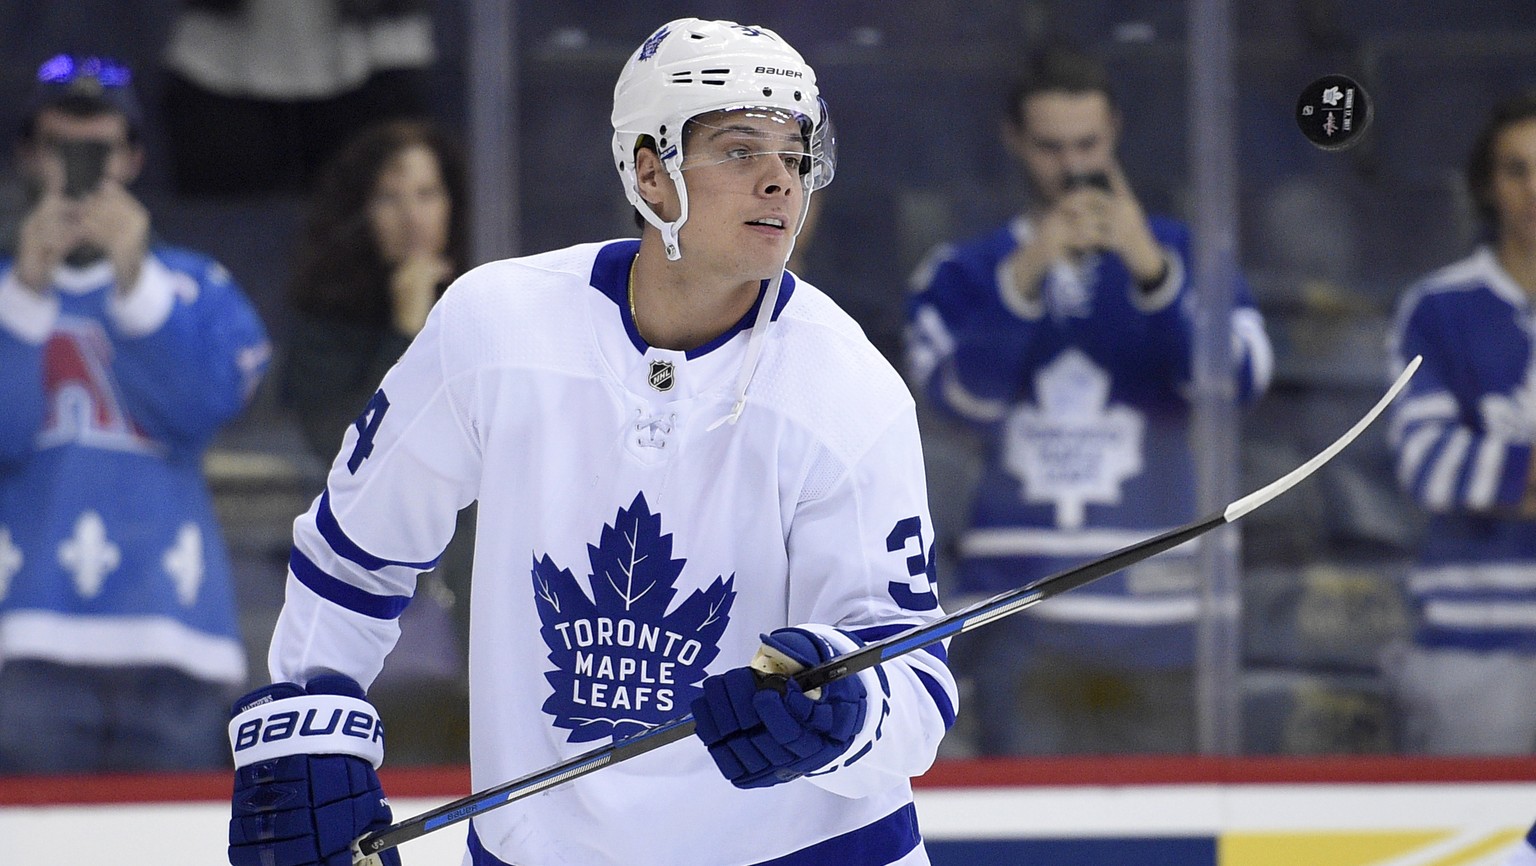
(869, 655)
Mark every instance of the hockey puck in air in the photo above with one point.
(1333, 112)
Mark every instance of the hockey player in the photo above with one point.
(681, 452)
(1465, 437)
(120, 358)
(1065, 339)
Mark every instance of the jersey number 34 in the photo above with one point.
(367, 425)
(920, 592)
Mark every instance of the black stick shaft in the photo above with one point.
(868, 656)
(833, 669)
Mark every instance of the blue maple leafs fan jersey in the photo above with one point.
(625, 550)
(1082, 394)
(1463, 436)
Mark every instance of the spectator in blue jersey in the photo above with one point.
(120, 357)
(1465, 436)
(1065, 339)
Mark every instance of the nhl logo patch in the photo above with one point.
(661, 376)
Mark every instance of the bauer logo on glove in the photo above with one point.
(332, 724)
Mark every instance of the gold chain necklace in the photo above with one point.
(633, 316)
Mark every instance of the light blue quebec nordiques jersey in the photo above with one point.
(110, 553)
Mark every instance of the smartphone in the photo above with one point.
(85, 162)
(1096, 179)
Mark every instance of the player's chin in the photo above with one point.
(769, 248)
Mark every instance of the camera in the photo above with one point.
(85, 163)
(1095, 179)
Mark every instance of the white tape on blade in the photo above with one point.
(1291, 479)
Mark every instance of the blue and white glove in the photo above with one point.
(305, 780)
(763, 730)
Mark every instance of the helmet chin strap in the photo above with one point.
(760, 324)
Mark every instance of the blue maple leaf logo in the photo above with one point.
(623, 661)
(648, 48)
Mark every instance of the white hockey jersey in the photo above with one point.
(625, 550)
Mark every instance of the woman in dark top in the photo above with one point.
(385, 234)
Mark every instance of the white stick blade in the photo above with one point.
(1291, 479)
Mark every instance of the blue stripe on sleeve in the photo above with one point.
(345, 594)
(935, 689)
(346, 548)
(940, 697)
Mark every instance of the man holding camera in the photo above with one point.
(1065, 339)
(119, 359)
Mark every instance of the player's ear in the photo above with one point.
(653, 182)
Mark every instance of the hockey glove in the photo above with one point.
(305, 785)
(763, 730)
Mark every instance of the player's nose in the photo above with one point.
(778, 178)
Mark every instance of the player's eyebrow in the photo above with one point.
(748, 129)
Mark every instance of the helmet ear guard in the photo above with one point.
(631, 179)
(671, 161)
(689, 68)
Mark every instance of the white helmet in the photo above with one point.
(691, 67)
